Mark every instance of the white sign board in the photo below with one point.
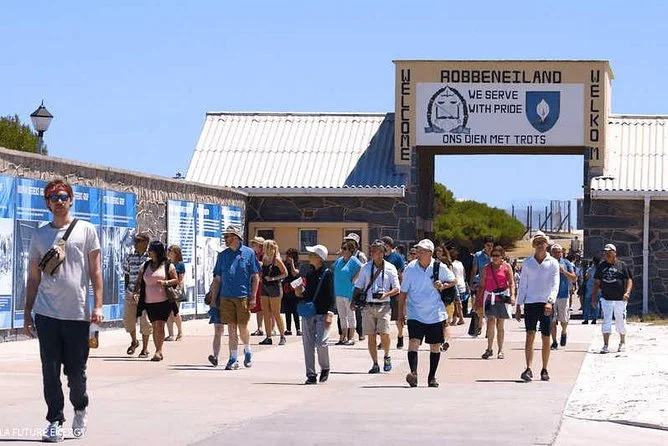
(500, 114)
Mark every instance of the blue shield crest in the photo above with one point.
(542, 109)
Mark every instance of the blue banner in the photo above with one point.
(230, 215)
(208, 234)
(181, 232)
(86, 204)
(7, 194)
(30, 202)
(119, 209)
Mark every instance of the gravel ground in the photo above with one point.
(629, 387)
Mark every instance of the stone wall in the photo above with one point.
(152, 191)
(621, 222)
(385, 216)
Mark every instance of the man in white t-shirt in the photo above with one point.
(380, 280)
(62, 307)
(420, 298)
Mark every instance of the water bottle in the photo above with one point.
(94, 336)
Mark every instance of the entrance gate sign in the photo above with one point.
(504, 105)
(499, 114)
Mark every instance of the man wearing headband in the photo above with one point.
(62, 307)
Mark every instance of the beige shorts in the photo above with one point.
(234, 310)
(450, 310)
(376, 319)
(130, 319)
(560, 309)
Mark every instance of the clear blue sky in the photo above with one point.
(129, 82)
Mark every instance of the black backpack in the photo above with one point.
(448, 295)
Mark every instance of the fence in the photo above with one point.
(548, 216)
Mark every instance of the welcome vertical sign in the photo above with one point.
(181, 232)
(6, 249)
(208, 234)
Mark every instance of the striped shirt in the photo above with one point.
(131, 266)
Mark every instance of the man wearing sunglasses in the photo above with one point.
(236, 276)
(62, 307)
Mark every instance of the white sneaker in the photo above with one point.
(604, 350)
(621, 348)
(53, 433)
(79, 423)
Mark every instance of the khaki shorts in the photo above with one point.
(560, 309)
(376, 319)
(450, 310)
(130, 319)
(234, 310)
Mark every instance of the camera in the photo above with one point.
(377, 296)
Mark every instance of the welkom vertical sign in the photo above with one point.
(7, 192)
(514, 106)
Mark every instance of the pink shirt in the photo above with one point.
(499, 277)
(154, 293)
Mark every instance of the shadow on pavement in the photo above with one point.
(280, 384)
(385, 387)
(519, 381)
(348, 373)
(194, 367)
(465, 359)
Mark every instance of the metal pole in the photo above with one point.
(569, 216)
(645, 258)
(40, 142)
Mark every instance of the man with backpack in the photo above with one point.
(420, 300)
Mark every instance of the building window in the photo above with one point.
(267, 234)
(307, 237)
(356, 231)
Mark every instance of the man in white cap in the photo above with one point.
(539, 285)
(615, 280)
(236, 276)
(420, 298)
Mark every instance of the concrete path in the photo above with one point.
(183, 400)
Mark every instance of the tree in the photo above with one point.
(468, 222)
(17, 136)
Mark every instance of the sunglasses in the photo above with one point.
(54, 198)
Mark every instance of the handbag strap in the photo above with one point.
(437, 270)
(322, 279)
(69, 230)
(491, 270)
(167, 265)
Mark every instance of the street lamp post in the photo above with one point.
(41, 119)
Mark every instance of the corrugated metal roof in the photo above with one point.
(636, 158)
(296, 150)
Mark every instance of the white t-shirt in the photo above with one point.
(458, 269)
(387, 280)
(65, 294)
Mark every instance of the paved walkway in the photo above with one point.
(183, 400)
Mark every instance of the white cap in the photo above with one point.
(556, 246)
(539, 235)
(610, 247)
(426, 244)
(320, 250)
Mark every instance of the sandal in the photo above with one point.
(143, 354)
(487, 354)
(132, 348)
(179, 336)
(157, 357)
(500, 355)
(169, 338)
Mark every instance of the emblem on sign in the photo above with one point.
(447, 112)
(542, 109)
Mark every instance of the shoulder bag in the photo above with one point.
(498, 290)
(55, 256)
(174, 292)
(306, 308)
(448, 295)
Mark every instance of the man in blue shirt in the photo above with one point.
(396, 259)
(561, 307)
(236, 278)
(420, 298)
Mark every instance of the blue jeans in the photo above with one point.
(587, 311)
(63, 344)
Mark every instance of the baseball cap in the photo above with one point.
(319, 250)
(425, 244)
(354, 237)
(539, 235)
(234, 230)
(610, 247)
(141, 237)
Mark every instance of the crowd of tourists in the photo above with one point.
(426, 290)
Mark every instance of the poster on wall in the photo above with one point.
(86, 206)
(118, 221)
(31, 213)
(230, 215)
(181, 232)
(208, 234)
(6, 250)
